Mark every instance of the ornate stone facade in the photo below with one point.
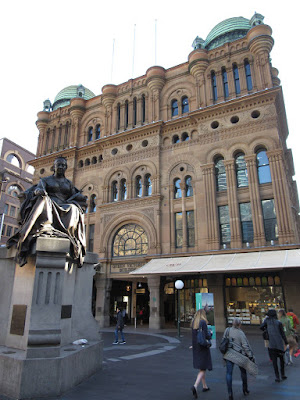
(170, 125)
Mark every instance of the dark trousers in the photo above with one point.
(275, 354)
(229, 370)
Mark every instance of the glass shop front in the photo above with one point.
(187, 299)
(249, 297)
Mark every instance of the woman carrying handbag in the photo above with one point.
(238, 352)
(201, 353)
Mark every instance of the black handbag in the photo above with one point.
(201, 339)
(265, 334)
(224, 343)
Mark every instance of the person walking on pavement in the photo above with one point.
(119, 327)
(277, 342)
(239, 352)
(295, 318)
(201, 355)
(289, 333)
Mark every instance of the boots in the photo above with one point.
(245, 390)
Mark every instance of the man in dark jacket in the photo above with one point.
(119, 327)
(277, 342)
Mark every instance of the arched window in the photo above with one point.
(87, 162)
(174, 107)
(126, 114)
(214, 86)
(118, 116)
(130, 240)
(177, 189)
(90, 134)
(93, 203)
(143, 108)
(184, 137)
(114, 191)
(12, 159)
(80, 164)
(225, 83)
(236, 79)
(138, 186)
(263, 167)
(14, 190)
(220, 172)
(134, 111)
(94, 160)
(241, 170)
(148, 185)
(123, 189)
(248, 75)
(188, 186)
(98, 131)
(184, 105)
(175, 139)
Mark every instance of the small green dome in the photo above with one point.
(64, 97)
(227, 31)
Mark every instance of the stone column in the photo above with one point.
(42, 123)
(235, 225)
(77, 111)
(103, 286)
(208, 171)
(231, 85)
(256, 208)
(242, 76)
(219, 86)
(156, 320)
(257, 216)
(158, 230)
(209, 90)
(281, 193)
(184, 220)
(215, 284)
(172, 220)
(290, 279)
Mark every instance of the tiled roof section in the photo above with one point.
(227, 30)
(70, 92)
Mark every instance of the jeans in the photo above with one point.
(274, 354)
(229, 370)
(117, 334)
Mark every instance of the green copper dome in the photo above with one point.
(63, 98)
(227, 31)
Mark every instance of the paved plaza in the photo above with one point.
(156, 365)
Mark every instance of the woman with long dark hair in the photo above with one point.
(277, 342)
(201, 355)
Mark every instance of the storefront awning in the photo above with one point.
(236, 262)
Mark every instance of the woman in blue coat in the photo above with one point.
(201, 355)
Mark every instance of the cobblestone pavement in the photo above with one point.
(158, 366)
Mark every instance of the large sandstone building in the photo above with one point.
(188, 177)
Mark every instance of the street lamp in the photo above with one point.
(178, 285)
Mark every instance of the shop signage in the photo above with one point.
(125, 268)
(140, 291)
(206, 301)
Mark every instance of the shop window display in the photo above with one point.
(188, 298)
(250, 298)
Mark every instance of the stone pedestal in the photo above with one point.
(49, 306)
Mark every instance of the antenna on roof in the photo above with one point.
(155, 43)
(133, 50)
(112, 61)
